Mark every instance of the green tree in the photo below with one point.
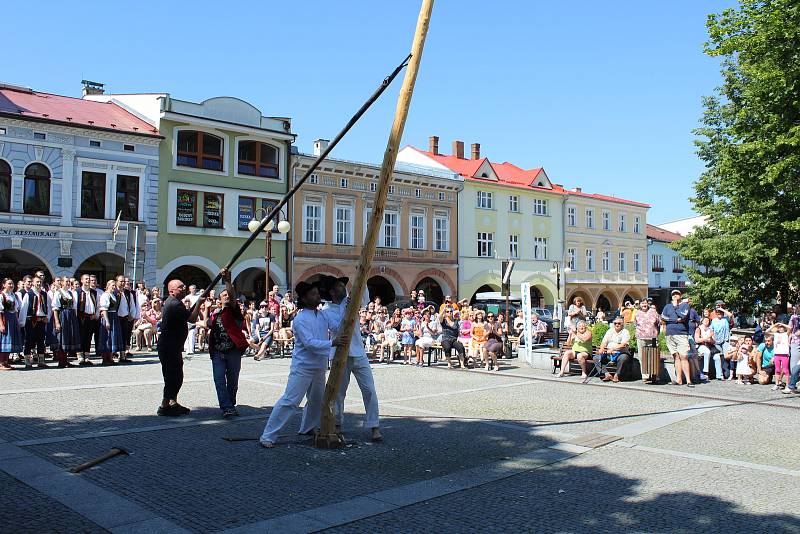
(750, 144)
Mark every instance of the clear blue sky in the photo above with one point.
(603, 95)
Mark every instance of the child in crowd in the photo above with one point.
(407, 328)
(780, 333)
(744, 373)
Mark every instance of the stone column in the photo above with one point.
(68, 172)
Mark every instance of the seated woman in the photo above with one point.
(145, 328)
(581, 349)
(427, 330)
(479, 338)
(466, 316)
(390, 341)
(494, 342)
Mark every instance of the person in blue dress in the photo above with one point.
(10, 333)
(111, 339)
(66, 325)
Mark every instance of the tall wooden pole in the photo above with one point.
(327, 437)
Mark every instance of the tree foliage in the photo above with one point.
(750, 144)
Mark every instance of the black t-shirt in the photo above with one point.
(174, 316)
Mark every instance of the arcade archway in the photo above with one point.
(104, 266)
(485, 288)
(189, 275)
(252, 284)
(378, 286)
(16, 263)
(433, 291)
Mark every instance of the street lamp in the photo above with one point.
(283, 228)
(556, 270)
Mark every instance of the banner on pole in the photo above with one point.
(525, 298)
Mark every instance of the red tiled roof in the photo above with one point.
(659, 234)
(606, 198)
(507, 173)
(48, 107)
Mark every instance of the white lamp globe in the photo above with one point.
(269, 226)
(253, 225)
(567, 270)
(284, 227)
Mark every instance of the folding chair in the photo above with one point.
(600, 365)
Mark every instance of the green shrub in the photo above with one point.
(600, 329)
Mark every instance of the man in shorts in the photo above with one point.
(675, 317)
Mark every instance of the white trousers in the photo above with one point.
(363, 373)
(308, 383)
(189, 344)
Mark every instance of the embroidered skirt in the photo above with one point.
(111, 340)
(69, 339)
(12, 340)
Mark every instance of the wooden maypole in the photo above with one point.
(328, 438)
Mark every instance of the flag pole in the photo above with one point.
(328, 438)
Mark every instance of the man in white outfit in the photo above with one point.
(309, 362)
(357, 361)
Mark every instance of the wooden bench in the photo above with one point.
(574, 366)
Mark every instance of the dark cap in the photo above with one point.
(302, 288)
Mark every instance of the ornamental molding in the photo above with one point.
(16, 242)
(66, 247)
(72, 131)
(68, 155)
(39, 152)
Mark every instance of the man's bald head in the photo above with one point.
(176, 288)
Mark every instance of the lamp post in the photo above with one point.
(283, 227)
(556, 270)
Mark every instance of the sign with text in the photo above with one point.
(246, 212)
(186, 208)
(525, 298)
(212, 210)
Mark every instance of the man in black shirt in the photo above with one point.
(174, 329)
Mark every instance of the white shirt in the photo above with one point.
(29, 302)
(613, 340)
(311, 343)
(56, 302)
(15, 298)
(334, 315)
(105, 301)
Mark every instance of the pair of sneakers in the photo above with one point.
(173, 410)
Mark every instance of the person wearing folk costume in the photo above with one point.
(357, 361)
(128, 312)
(10, 334)
(89, 323)
(23, 286)
(309, 361)
(36, 311)
(67, 328)
(111, 332)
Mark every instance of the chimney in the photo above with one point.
(578, 190)
(320, 146)
(433, 145)
(458, 149)
(92, 88)
(476, 150)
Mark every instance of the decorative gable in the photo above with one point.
(486, 172)
(541, 180)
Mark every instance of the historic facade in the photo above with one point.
(505, 212)
(222, 164)
(667, 267)
(417, 247)
(605, 246)
(69, 168)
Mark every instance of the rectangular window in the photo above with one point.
(93, 195)
(418, 232)
(485, 245)
(540, 248)
(186, 209)
(246, 212)
(589, 260)
(606, 261)
(39, 136)
(128, 148)
(621, 222)
(442, 231)
(2, 131)
(606, 221)
(637, 225)
(539, 206)
(313, 179)
(513, 247)
(571, 258)
(312, 223)
(94, 144)
(485, 200)
(373, 187)
(677, 266)
(658, 262)
(418, 192)
(344, 225)
(571, 216)
(213, 210)
(637, 263)
(589, 218)
(343, 183)
(623, 263)
(128, 197)
(441, 197)
(390, 233)
(513, 203)
(391, 190)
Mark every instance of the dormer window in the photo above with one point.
(200, 150)
(258, 159)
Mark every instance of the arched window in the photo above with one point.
(200, 150)
(36, 200)
(5, 186)
(258, 159)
